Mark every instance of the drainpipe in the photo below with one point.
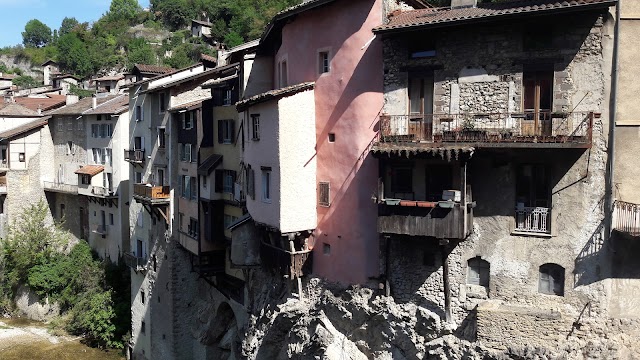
(613, 108)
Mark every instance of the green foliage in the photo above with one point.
(25, 82)
(74, 55)
(140, 52)
(68, 24)
(93, 295)
(77, 90)
(124, 9)
(36, 34)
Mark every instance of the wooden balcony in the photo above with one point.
(286, 263)
(134, 262)
(626, 218)
(134, 156)
(151, 195)
(518, 130)
(60, 187)
(444, 220)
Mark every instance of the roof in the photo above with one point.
(440, 17)
(115, 106)
(208, 58)
(48, 102)
(17, 110)
(200, 22)
(91, 170)
(7, 76)
(209, 164)
(161, 76)
(153, 69)
(49, 62)
(178, 81)
(189, 106)
(11, 133)
(246, 217)
(277, 20)
(110, 78)
(66, 76)
(81, 106)
(274, 94)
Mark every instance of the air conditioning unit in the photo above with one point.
(452, 195)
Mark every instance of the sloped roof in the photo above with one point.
(115, 106)
(209, 164)
(66, 76)
(50, 101)
(49, 62)
(7, 76)
(110, 78)
(439, 17)
(11, 133)
(16, 110)
(277, 21)
(274, 94)
(91, 170)
(81, 106)
(200, 22)
(208, 58)
(153, 69)
(189, 105)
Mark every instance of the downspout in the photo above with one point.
(613, 108)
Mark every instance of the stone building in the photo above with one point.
(49, 70)
(492, 152)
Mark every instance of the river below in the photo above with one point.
(22, 339)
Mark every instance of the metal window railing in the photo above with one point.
(533, 219)
(626, 218)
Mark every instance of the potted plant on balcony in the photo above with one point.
(469, 132)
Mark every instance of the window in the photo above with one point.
(204, 181)
(62, 208)
(324, 62)
(70, 148)
(143, 328)
(60, 125)
(226, 100)
(69, 124)
(226, 129)
(187, 120)
(161, 138)
(80, 125)
(180, 221)
(332, 137)
(266, 184)
(138, 113)
(187, 153)
(95, 130)
(551, 279)
(283, 74)
(229, 220)
(251, 182)
(21, 157)
(162, 101)
(85, 179)
(402, 180)
(228, 181)
(107, 156)
(99, 117)
(142, 297)
(478, 272)
(194, 188)
(422, 47)
(538, 100)
(255, 127)
(326, 249)
(137, 177)
(104, 130)
(192, 230)
(110, 218)
(533, 199)
(138, 143)
(323, 194)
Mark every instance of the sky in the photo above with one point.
(51, 12)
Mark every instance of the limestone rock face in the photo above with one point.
(33, 307)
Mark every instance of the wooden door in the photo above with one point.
(538, 97)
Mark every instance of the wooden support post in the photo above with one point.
(463, 200)
(445, 280)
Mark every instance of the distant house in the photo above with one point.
(50, 69)
(142, 72)
(64, 81)
(110, 84)
(200, 28)
(42, 102)
(6, 81)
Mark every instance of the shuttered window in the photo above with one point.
(324, 189)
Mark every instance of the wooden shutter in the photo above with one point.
(220, 131)
(323, 194)
(219, 178)
(232, 131)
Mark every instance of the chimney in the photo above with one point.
(72, 99)
(94, 101)
(457, 4)
(39, 109)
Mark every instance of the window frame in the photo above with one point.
(266, 184)
(255, 127)
(162, 108)
(322, 202)
(139, 113)
(324, 61)
(555, 276)
(480, 267)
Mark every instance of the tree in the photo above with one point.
(36, 34)
(140, 52)
(68, 23)
(73, 55)
(25, 82)
(124, 9)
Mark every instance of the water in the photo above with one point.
(22, 339)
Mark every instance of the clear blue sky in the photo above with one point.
(16, 13)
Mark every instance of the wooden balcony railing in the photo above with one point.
(533, 220)
(286, 263)
(626, 218)
(149, 192)
(135, 262)
(572, 129)
(424, 219)
(134, 156)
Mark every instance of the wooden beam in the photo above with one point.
(445, 283)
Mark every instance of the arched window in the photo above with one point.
(551, 279)
(478, 272)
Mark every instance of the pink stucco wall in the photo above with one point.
(348, 100)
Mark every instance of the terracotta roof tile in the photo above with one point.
(109, 78)
(44, 103)
(153, 69)
(114, 106)
(484, 11)
(204, 23)
(91, 170)
(16, 110)
(274, 94)
(81, 106)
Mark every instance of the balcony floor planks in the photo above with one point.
(451, 226)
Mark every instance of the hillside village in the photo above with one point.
(368, 179)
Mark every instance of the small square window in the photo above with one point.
(332, 137)
(255, 127)
(111, 219)
(21, 157)
(142, 297)
(326, 249)
(138, 113)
